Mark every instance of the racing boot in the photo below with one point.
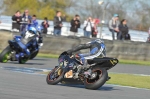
(79, 70)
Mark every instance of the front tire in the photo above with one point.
(23, 60)
(99, 80)
(33, 55)
(53, 77)
(5, 54)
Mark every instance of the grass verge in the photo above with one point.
(127, 80)
(47, 55)
(135, 62)
(130, 80)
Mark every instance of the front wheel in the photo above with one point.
(98, 78)
(23, 60)
(55, 76)
(5, 54)
(34, 54)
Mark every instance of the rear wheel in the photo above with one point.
(5, 54)
(98, 78)
(55, 76)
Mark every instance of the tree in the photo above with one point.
(41, 8)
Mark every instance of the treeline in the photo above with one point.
(137, 12)
(42, 8)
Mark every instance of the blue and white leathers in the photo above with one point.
(97, 48)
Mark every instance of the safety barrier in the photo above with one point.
(119, 49)
(106, 34)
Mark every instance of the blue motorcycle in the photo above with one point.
(22, 49)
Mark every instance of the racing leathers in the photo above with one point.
(27, 41)
(97, 48)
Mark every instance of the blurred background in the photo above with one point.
(135, 11)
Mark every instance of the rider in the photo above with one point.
(30, 23)
(34, 23)
(97, 49)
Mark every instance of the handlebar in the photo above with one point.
(68, 57)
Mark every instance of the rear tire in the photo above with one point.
(4, 54)
(56, 80)
(98, 81)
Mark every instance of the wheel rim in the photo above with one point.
(24, 61)
(5, 58)
(98, 76)
(53, 75)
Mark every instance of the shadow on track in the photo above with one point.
(103, 88)
(41, 59)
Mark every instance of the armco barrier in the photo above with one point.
(118, 49)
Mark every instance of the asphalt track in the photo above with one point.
(16, 83)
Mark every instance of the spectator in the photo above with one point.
(114, 26)
(123, 29)
(149, 31)
(45, 25)
(88, 24)
(25, 19)
(34, 22)
(128, 37)
(26, 16)
(75, 24)
(94, 29)
(58, 23)
(16, 20)
(64, 18)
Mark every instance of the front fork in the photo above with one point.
(17, 56)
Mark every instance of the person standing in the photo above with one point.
(25, 19)
(34, 21)
(75, 24)
(123, 29)
(45, 25)
(58, 23)
(88, 25)
(95, 30)
(114, 27)
(16, 20)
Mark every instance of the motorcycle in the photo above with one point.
(39, 30)
(22, 49)
(92, 76)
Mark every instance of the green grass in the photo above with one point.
(135, 62)
(127, 80)
(121, 61)
(47, 55)
(130, 80)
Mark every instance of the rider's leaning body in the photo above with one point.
(96, 49)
